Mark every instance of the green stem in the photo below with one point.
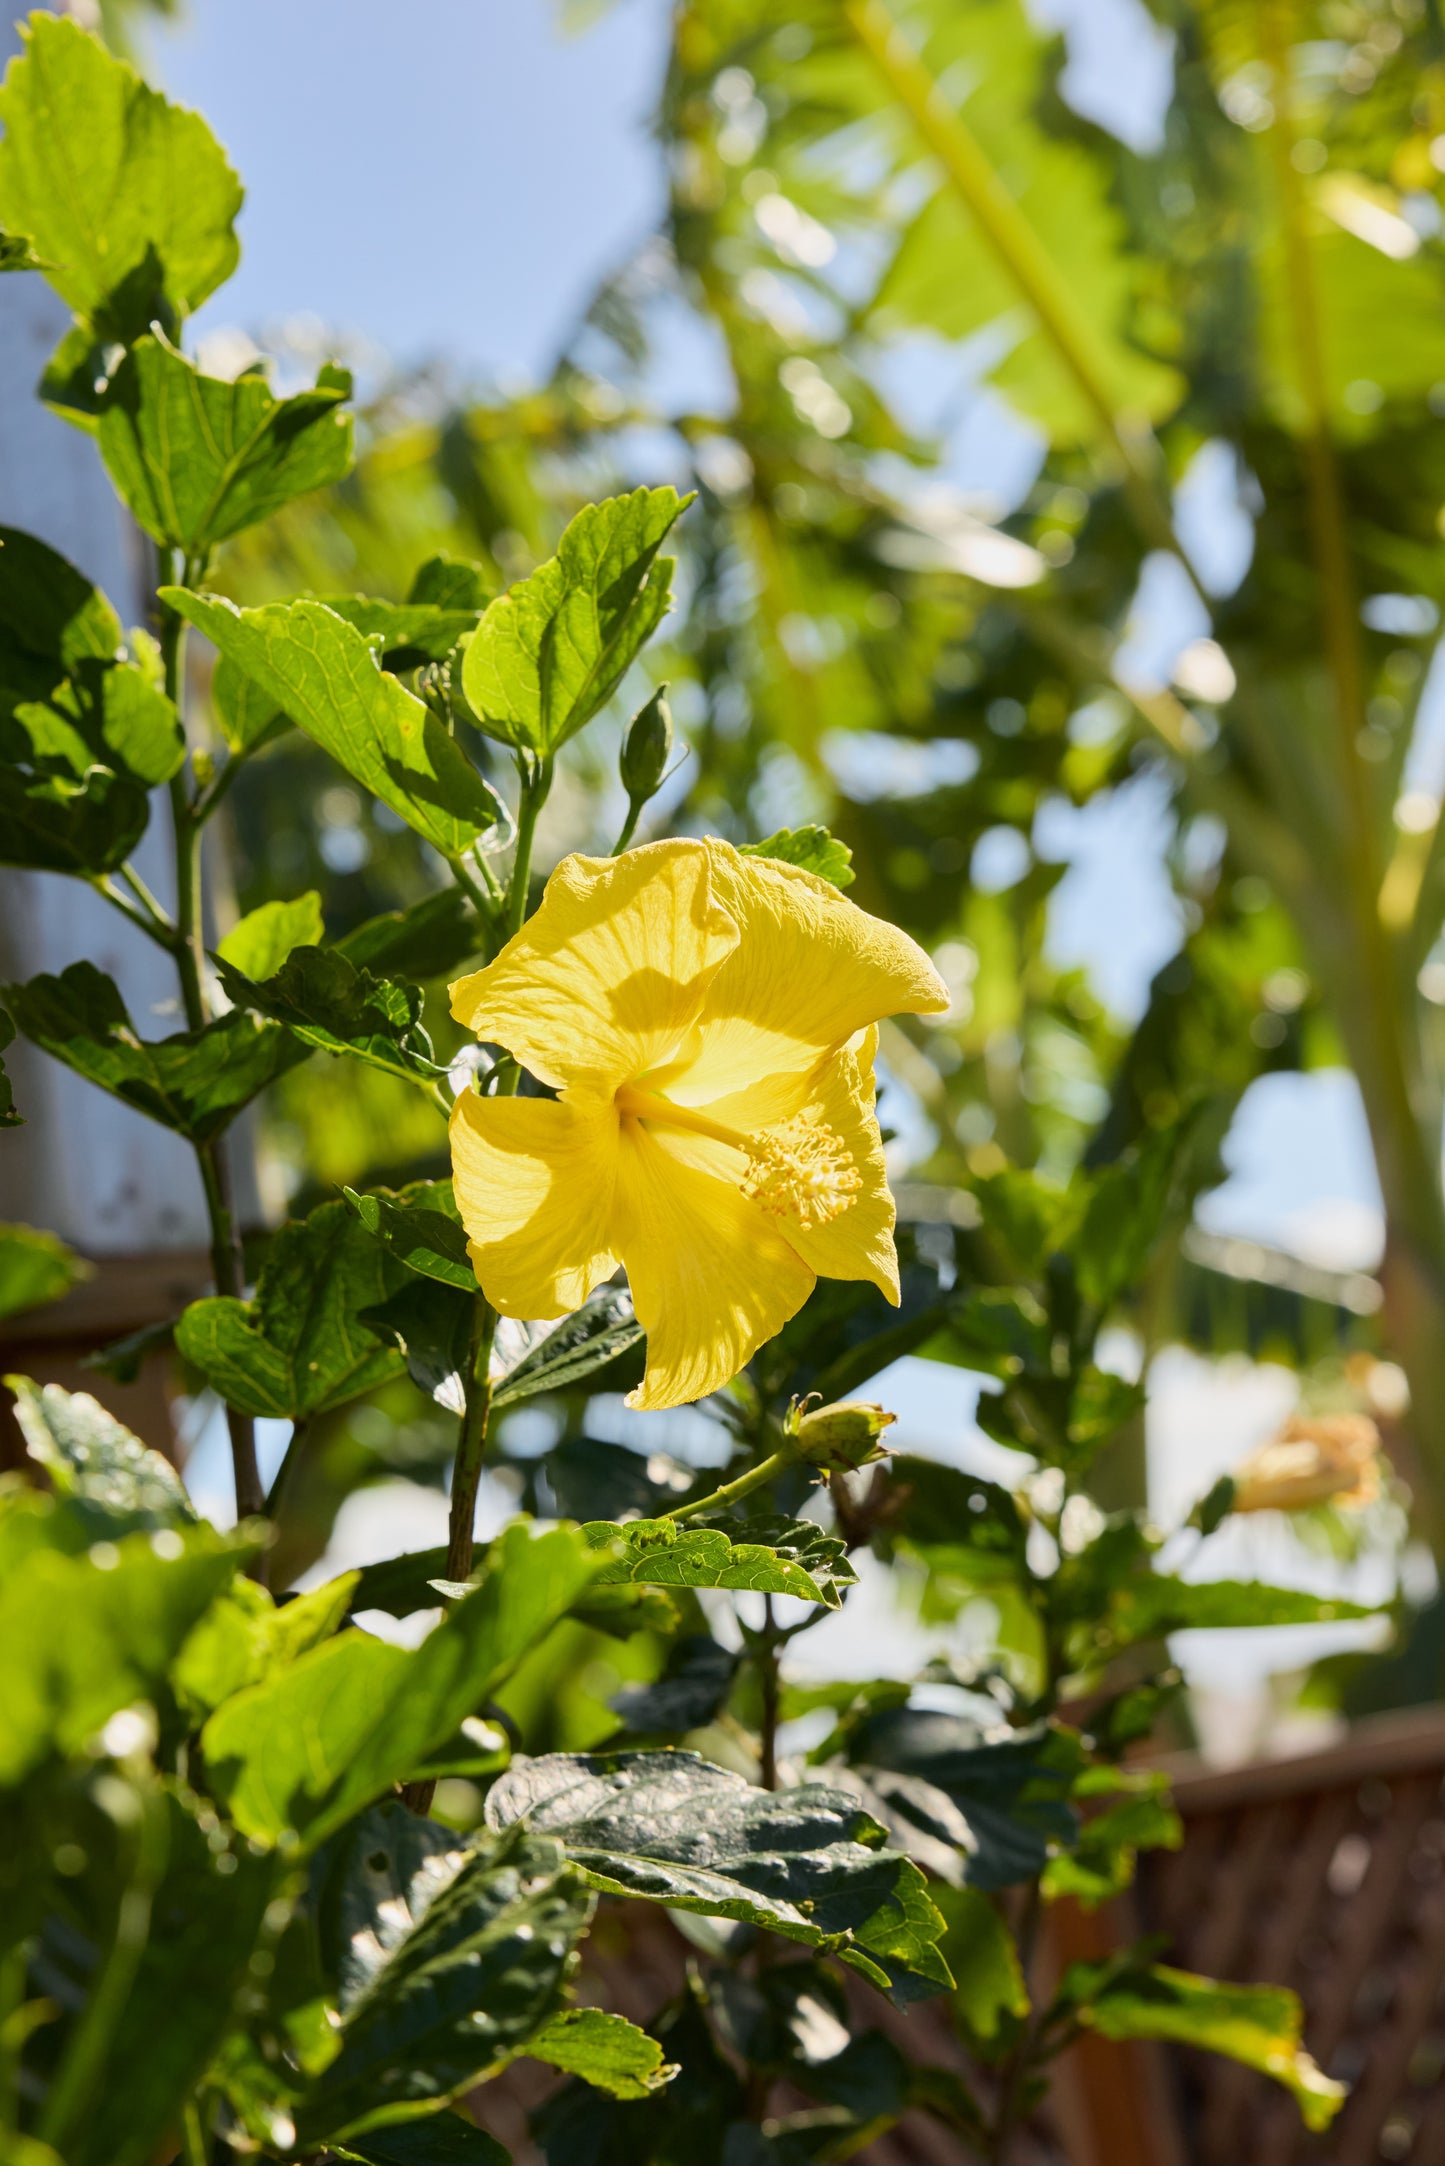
(154, 910)
(228, 1271)
(472, 1441)
(138, 918)
(766, 1471)
(629, 825)
(193, 2136)
(536, 782)
(766, 1661)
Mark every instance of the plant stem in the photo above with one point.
(143, 924)
(536, 782)
(193, 2136)
(766, 1660)
(729, 1493)
(228, 1271)
(472, 1440)
(629, 825)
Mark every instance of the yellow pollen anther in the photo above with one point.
(801, 1170)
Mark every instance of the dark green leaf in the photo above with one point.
(1256, 2024)
(439, 2139)
(16, 254)
(811, 847)
(605, 2050)
(431, 1326)
(970, 1529)
(431, 937)
(1152, 1604)
(260, 944)
(989, 1993)
(676, 1829)
(998, 1798)
(823, 1556)
(299, 1346)
(328, 1003)
(693, 1686)
(448, 582)
(50, 615)
(35, 1268)
(548, 655)
(592, 1480)
(406, 634)
(324, 1737)
(662, 1553)
(138, 224)
(448, 1955)
(420, 1226)
(87, 1634)
(9, 1117)
(124, 1358)
(195, 1081)
(320, 671)
(198, 459)
(401, 1585)
(566, 1353)
(88, 1453)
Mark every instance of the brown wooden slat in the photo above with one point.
(1222, 1930)
(1385, 1745)
(1385, 2078)
(1364, 1918)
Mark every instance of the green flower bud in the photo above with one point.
(646, 748)
(839, 1438)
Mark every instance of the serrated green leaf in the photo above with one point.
(431, 937)
(35, 1267)
(813, 848)
(448, 1955)
(549, 654)
(564, 1354)
(605, 2050)
(325, 1737)
(128, 197)
(420, 1226)
(661, 1553)
(196, 1081)
(676, 1829)
(299, 1346)
(331, 1005)
(1258, 2025)
(88, 1453)
(263, 939)
(85, 1635)
(320, 672)
(199, 459)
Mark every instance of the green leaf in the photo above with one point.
(9, 1117)
(323, 1738)
(697, 2118)
(1152, 1604)
(969, 1530)
(407, 634)
(243, 1637)
(662, 1553)
(88, 1453)
(128, 197)
(676, 1829)
(260, 944)
(196, 1081)
(246, 716)
(198, 459)
(606, 2051)
(432, 937)
(694, 1685)
(16, 254)
(440, 2139)
(172, 1902)
(35, 1268)
(448, 1956)
(989, 1992)
(85, 1635)
(998, 1798)
(549, 654)
(811, 847)
(299, 1346)
(420, 1226)
(1258, 2025)
(328, 1003)
(320, 671)
(448, 582)
(50, 614)
(431, 1327)
(566, 1353)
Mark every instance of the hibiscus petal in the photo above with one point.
(858, 1243)
(535, 1180)
(711, 1278)
(608, 976)
(809, 969)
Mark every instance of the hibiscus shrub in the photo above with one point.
(274, 1884)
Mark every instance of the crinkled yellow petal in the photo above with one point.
(809, 969)
(608, 976)
(535, 1182)
(711, 1278)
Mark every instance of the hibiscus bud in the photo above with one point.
(647, 748)
(839, 1438)
(1331, 1459)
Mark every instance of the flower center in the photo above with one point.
(801, 1169)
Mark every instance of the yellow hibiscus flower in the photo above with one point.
(707, 1020)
